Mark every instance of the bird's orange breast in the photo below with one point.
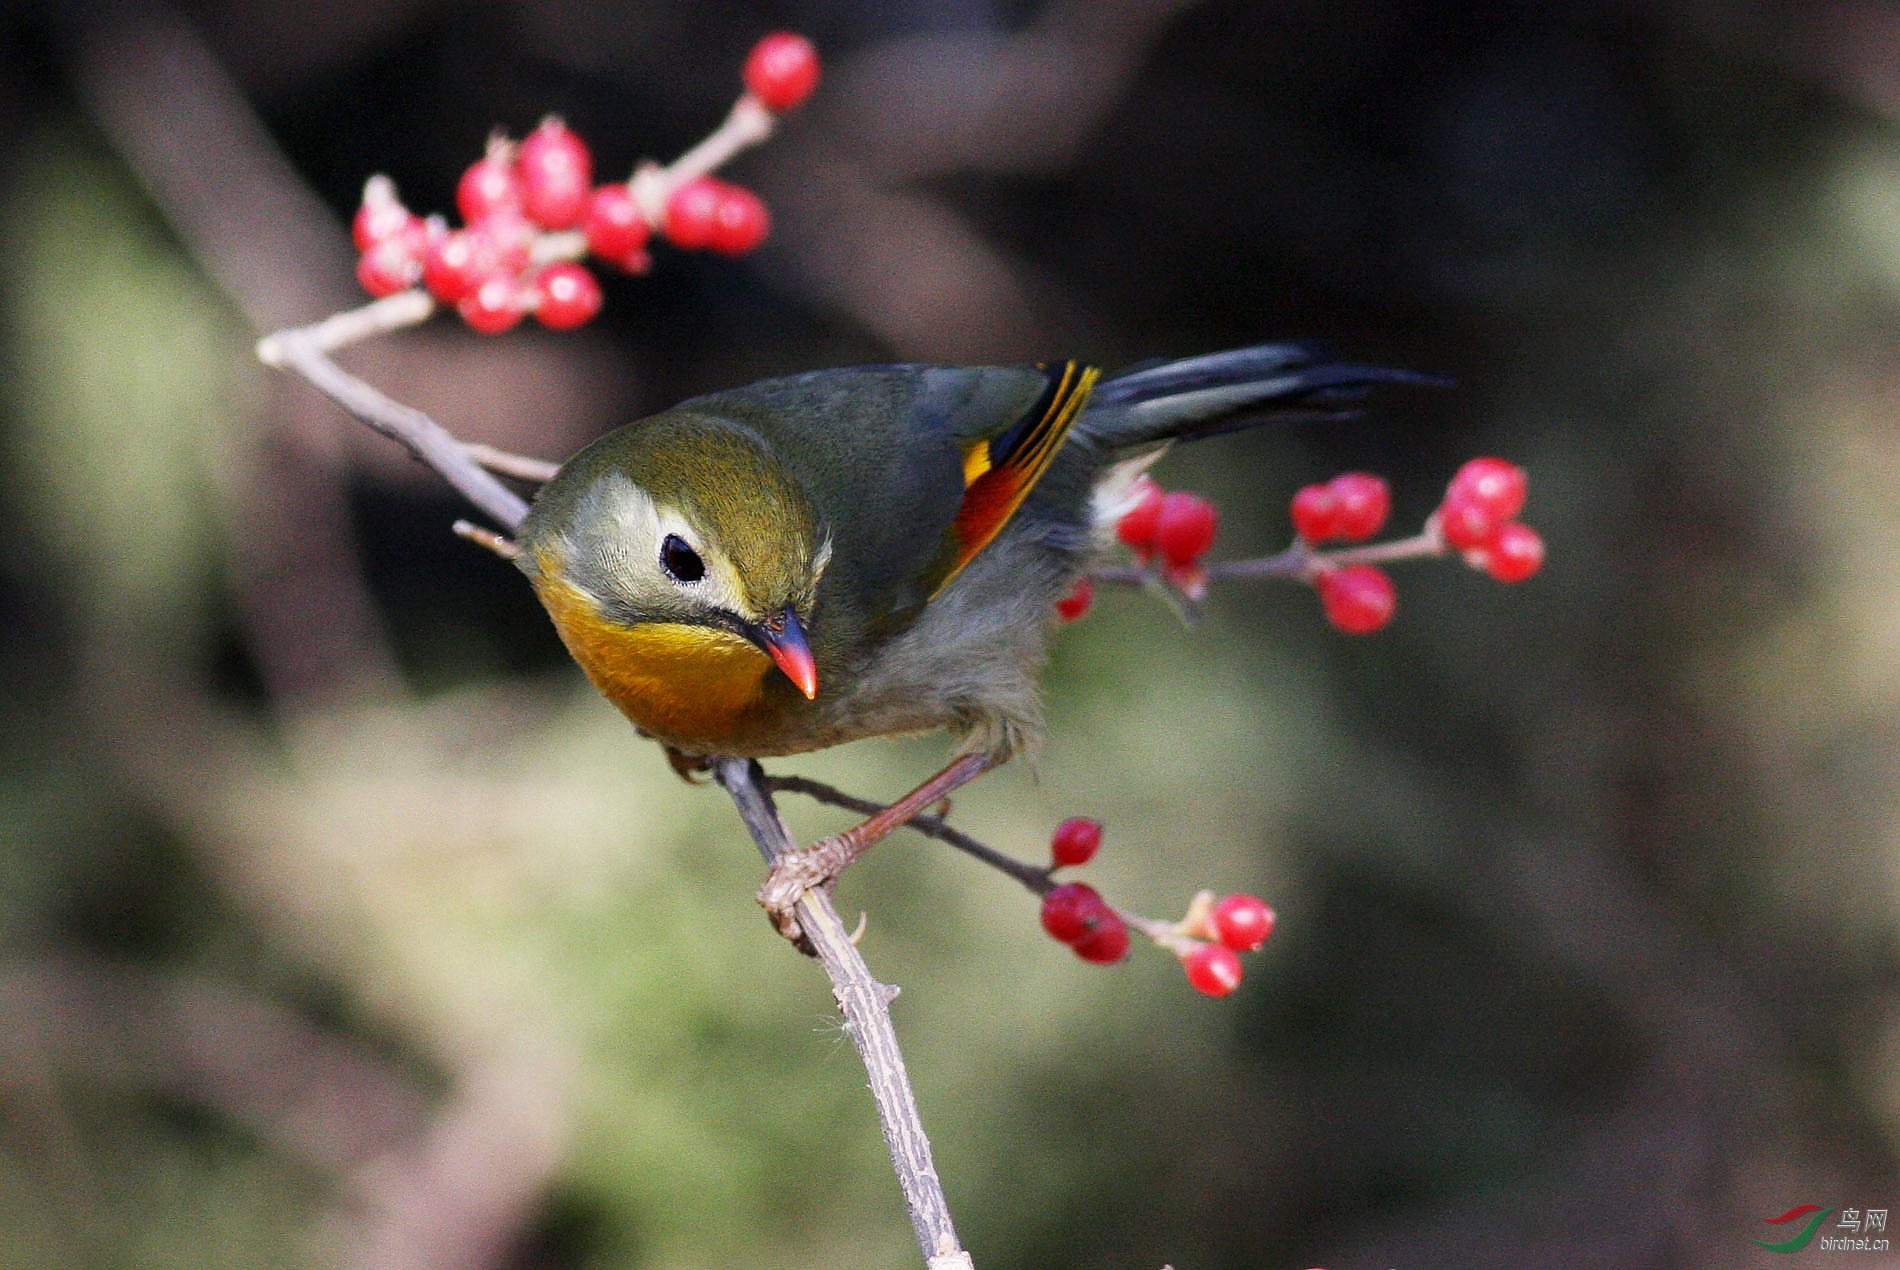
(694, 687)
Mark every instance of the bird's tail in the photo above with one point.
(1225, 392)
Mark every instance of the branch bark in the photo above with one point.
(866, 1006)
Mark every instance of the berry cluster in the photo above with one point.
(1474, 518)
(530, 211)
(1477, 518)
(1208, 941)
(1170, 532)
(1076, 914)
(1357, 598)
(1234, 924)
(1172, 528)
(1351, 507)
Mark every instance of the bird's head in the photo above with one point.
(679, 548)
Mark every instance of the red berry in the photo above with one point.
(1363, 502)
(740, 221)
(381, 218)
(510, 234)
(636, 261)
(1358, 599)
(1077, 601)
(691, 211)
(1137, 525)
(1213, 969)
(388, 267)
(489, 185)
(1075, 841)
(1107, 942)
(1494, 485)
(457, 263)
(556, 172)
(1241, 922)
(1185, 527)
(1514, 553)
(615, 228)
(494, 306)
(782, 70)
(566, 296)
(1316, 513)
(1465, 522)
(1073, 909)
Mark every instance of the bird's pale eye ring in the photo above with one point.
(681, 562)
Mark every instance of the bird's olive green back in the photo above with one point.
(881, 452)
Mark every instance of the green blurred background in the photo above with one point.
(341, 924)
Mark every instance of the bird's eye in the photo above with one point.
(681, 562)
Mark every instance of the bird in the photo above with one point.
(872, 550)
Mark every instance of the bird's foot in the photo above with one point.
(797, 872)
(688, 767)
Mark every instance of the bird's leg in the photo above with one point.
(819, 864)
(688, 767)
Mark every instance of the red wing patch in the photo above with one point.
(999, 473)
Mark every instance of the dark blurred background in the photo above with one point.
(341, 923)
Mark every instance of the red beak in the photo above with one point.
(785, 641)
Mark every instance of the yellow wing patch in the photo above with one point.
(999, 473)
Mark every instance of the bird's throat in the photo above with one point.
(694, 687)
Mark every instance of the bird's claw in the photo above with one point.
(797, 872)
(688, 767)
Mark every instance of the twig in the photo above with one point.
(378, 317)
(298, 349)
(1300, 562)
(506, 548)
(1036, 879)
(747, 125)
(1178, 937)
(520, 465)
(866, 1006)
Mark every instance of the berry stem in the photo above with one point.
(1300, 562)
(520, 466)
(340, 330)
(748, 123)
(1167, 934)
(559, 244)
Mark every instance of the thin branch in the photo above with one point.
(298, 349)
(1178, 937)
(539, 471)
(352, 326)
(506, 548)
(1036, 879)
(866, 1006)
(748, 124)
(1298, 563)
